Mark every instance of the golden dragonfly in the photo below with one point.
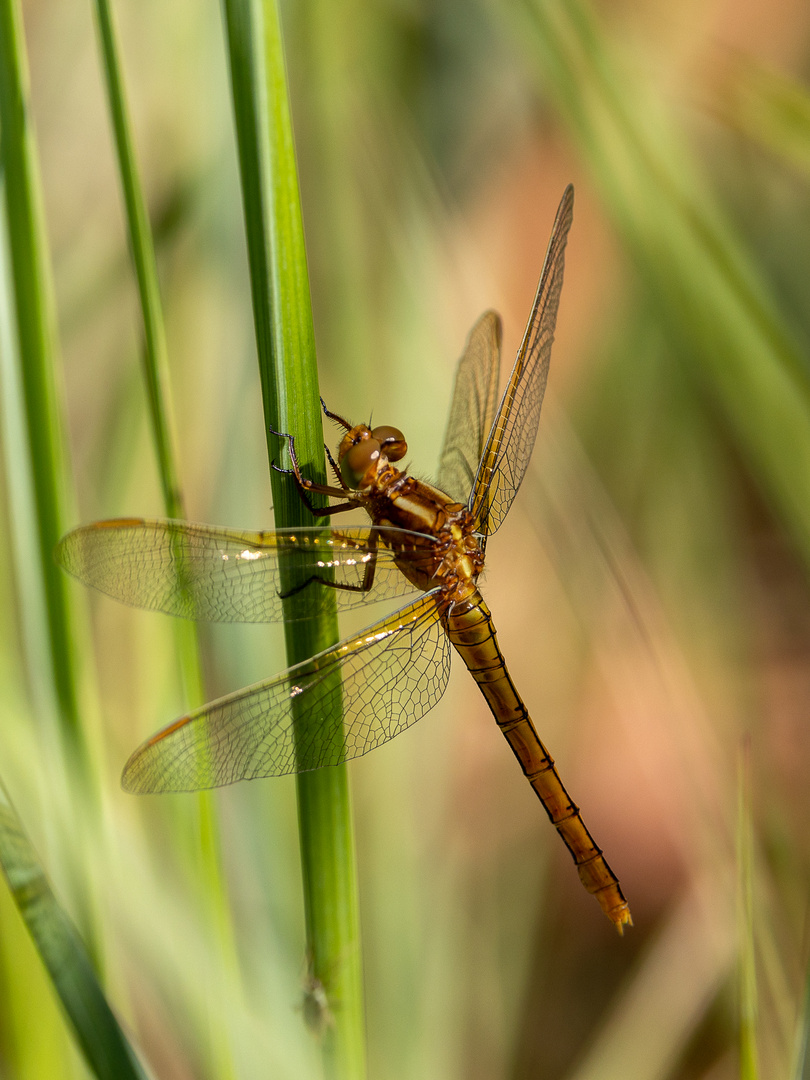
(422, 537)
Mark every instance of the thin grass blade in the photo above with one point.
(770, 108)
(156, 377)
(155, 356)
(747, 972)
(39, 466)
(706, 289)
(801, 1057)
(63, 953)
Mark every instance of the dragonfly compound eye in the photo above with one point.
(357, 461)
(392, 442)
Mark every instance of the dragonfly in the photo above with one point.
(422, 538)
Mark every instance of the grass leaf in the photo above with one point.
(97, 1031)
(287, 365)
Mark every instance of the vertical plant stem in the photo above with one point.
(286, 352)
(156, 376)
(155, 355)
(800, 1066)
(33, 435)
(41, 436)
(749, 1069)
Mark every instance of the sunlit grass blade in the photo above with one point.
(156, 377)
(708, 294)
(143, 256)
(155, 355)
(747, 973)
(286, 352)
(36, 458)
(768, 107)
(801, 1057)
(63, 953)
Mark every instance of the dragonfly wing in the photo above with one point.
(511, 440)
(475, 395)
(221, 575)
(387, 677)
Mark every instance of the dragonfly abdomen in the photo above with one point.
(472, 632)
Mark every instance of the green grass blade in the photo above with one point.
(770, 108)
(286, 350)
(706, 290)
(156, 376)
(63, 953)
(749, 1069)
(155, 355)
(40, 428)
(801, 1057)
(143, 256)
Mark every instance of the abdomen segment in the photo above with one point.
(472, 632)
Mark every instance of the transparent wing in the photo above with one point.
(513, 434)
(388, 676)
(221, 575)
(475, 395)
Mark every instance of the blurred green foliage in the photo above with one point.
(650, 587)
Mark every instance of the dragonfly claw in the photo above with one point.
(278, 468)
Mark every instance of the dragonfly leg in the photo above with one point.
(371, 565)
(296, 468)
(303, 486)
(326, 511)
(335, 468)
(343, 586)
(335, 417)
(365, 586)
(306, 486)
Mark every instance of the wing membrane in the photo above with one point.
(222, 575)
(475, 395)
(388, 676)
(511, 440)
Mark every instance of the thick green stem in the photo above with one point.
(38, 457)
(286, 350)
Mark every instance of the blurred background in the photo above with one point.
(650, 586)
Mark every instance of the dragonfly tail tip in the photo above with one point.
(621, 918)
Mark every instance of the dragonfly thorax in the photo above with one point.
(440, 547)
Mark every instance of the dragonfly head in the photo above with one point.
(363, 450)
